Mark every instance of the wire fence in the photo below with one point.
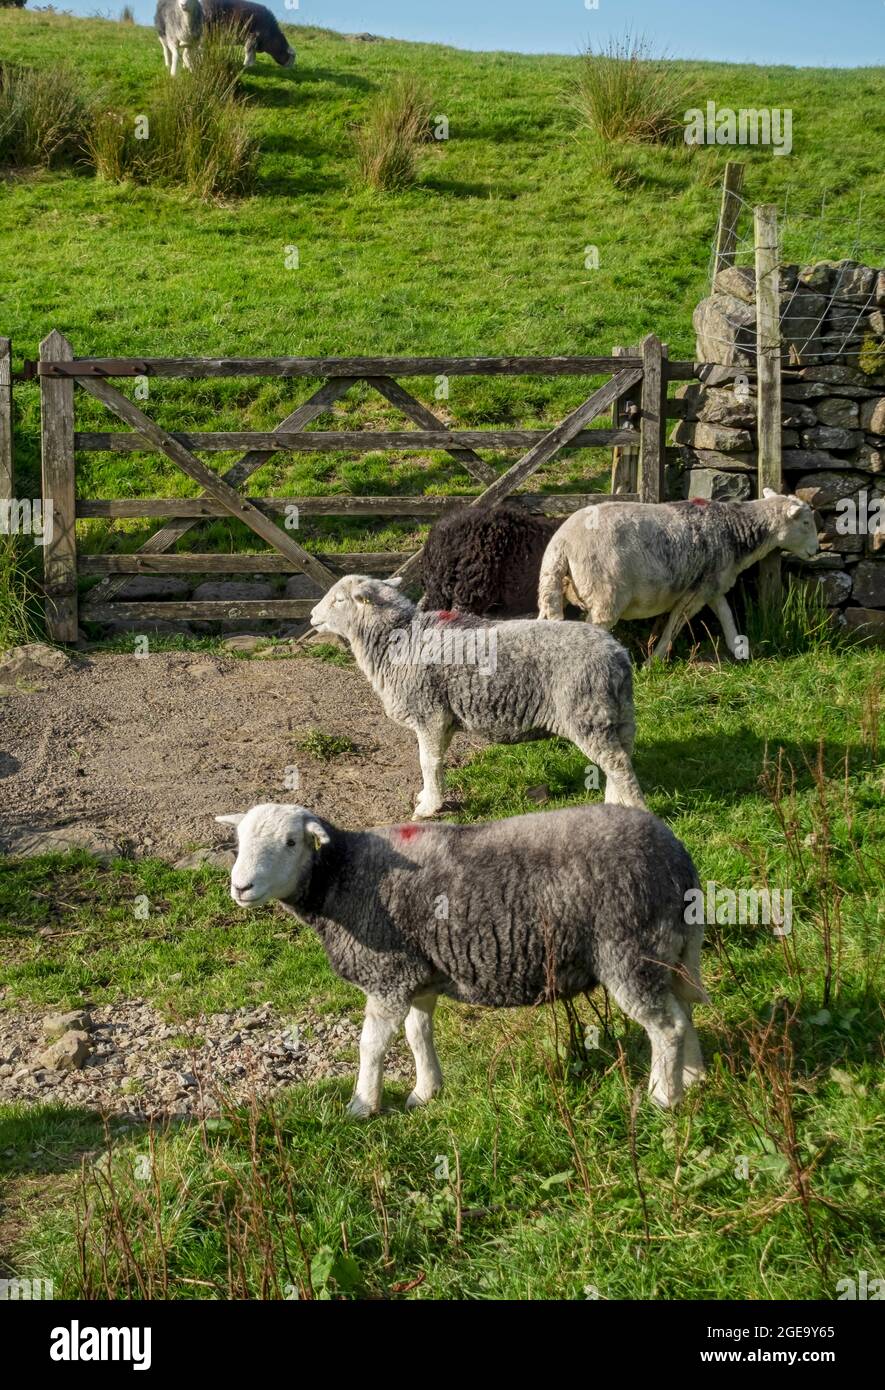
(813, 333)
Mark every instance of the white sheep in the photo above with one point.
(510, 681)
(636, 560)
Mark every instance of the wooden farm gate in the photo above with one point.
(636, 393)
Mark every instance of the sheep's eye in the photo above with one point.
(291, 843)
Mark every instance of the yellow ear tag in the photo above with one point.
(317, 842)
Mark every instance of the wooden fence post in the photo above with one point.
(768, 388)
(729, 211)
(59, 492)
(7, 465)
(625, 412)
(653, 424)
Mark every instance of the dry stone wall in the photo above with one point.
(833, 419)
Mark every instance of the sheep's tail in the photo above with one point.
(552, 579)
(687, 984)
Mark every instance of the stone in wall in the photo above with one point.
(869, 584)
(700, 435)
(717, 486)
(868, 623)
(726, 331)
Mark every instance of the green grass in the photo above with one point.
(565, 1185)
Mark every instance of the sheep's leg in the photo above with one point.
(381, 1022)
(550, 595)
(610, 754)
(173, 67)
(721, 608)
(419, 1035)
(249, 53)
(166, 59)
(603, 612)
(692, 1058)
(684, 609)
(666, 1024)
(432, 745)
(186, 59)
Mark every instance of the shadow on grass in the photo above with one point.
(730, 768)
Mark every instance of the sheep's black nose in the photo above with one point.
(242, 887)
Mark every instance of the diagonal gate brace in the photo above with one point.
(211, 483)
(544, 450)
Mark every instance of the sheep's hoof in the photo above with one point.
(692, 1075)
(663, 1099)
(413, 1100)
(359, 1109)
(424, 812)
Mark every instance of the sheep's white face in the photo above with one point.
(797, 531)
(339, 611)
(276, 845)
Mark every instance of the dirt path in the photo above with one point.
(145, 751)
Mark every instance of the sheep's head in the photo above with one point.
(795, 526)
(276, 847)
(276, 47)
(348, 604)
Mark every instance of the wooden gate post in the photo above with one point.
(625, 414)
(7, 469)
(768, 387)
(653, 424)
(59, 492)
(729, 211)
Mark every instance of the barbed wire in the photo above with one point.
(812, 342)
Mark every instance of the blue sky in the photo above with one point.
(818, 33)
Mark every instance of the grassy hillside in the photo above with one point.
(485, 255)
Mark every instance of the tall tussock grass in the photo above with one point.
(44, 117)
(387, 142)
(20, 600)
(195, 134)
(623, 92)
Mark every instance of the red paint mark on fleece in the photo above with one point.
(408, 832)
(700, 502)
(447, 615)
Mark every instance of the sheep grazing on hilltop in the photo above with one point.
(179, 26)
(636, 560)
(508, 913)
(257, 27)
(485, 561)
(438, 672)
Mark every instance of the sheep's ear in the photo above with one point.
(769, 492)
(795, 505)
(315, 834)
(233, 819)
(363, 593)
(395, 581)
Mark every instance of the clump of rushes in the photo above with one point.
(387, 142)
(195, 135)
(20, 607)
(44, 117)
(623, 92)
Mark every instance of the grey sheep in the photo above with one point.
(435, 673)
(254, 26)
(635, 560)
(505, 914)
